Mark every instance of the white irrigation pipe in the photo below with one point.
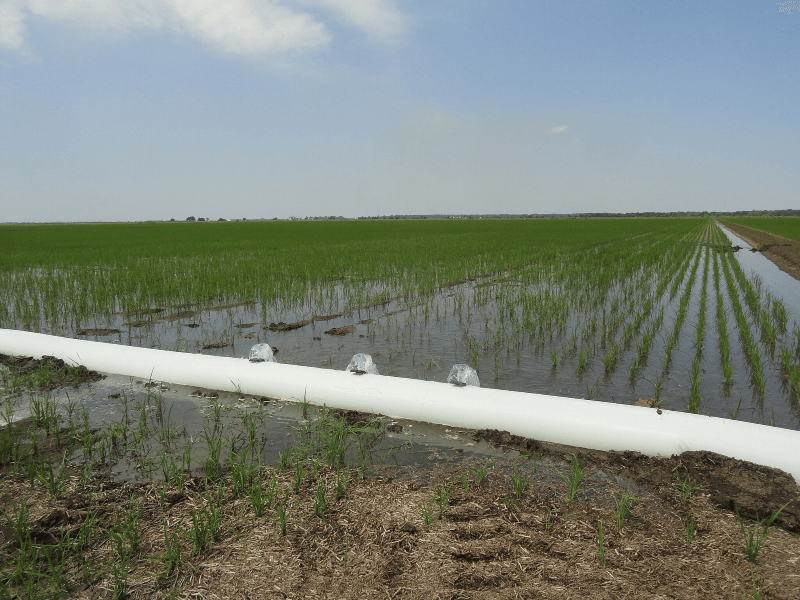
(581, 423)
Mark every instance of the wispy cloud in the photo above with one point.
(380, 19)
(12, 26)
(243, 27)
(559, 129)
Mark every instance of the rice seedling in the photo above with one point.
(519, 483)
(624, 506)
(755, 594)
(575, 479)
(426, 511)
(686, 488)
(442, 497)
(691, 528)
(601, 550)
(320, 503)
(757, 533)
(481, 472)
(172, 552)
(282, 511)
(206, 524)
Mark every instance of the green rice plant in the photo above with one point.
(756, 534)
(465, 483)
(735, 412)
(119, 581)
(43, 413)
(686, 488)
(172, 552)
(282, 511)
(258, 500)
(442, 497)
(786, 358)
(575, 479)
(694, 393)
(601, 549)
(342, 479)
(426, 510)
(481, 472)
(519, 482)
(691, 528)
(610, 360)
(320, 503)
(794, 379)
(299, 477)
(755, 594)
(206, 524)
(285, 459)
(51, 481)
(624, 505)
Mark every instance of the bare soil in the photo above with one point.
(785, 253)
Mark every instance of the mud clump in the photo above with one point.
(48, 372)
(341, 330)
(288, 326)
(504, 438)
(97, 331)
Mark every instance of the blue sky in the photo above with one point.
(115, 110)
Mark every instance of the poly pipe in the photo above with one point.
(569, 421)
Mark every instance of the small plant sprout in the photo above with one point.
(480, 472)
(686, 488)
(691, 528)
(601, 549)
(756, 593)
(519, 482)
(426, 511)
(623, 507)
(442, 497)
(756, 534)
(282, 511)
(465, 482)
(342, 479)
(575, 479)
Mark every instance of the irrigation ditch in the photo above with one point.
(122, 487)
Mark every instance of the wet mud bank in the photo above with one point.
(785, 253)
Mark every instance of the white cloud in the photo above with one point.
(12, 26)
(380, 19)
(246, 27)
(559, 129)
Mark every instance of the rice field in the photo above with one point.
(612, 310)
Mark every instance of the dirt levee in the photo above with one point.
(782, 251)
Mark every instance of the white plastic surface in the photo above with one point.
(582, 423)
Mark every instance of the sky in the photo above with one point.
(130, 110)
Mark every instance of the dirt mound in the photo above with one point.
(48, 373)
(97, 331)
(756, 491)
(341, 330)
(504, 438)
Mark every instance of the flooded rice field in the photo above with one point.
(641, 341)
